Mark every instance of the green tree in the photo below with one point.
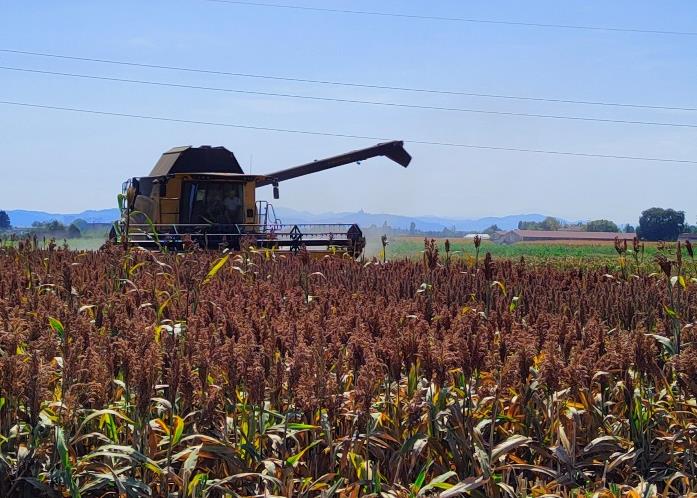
(601, 226)
(80, 224)
(629, 228)
(530, 225)
(449, 231)
(550, 223)
(661, 224)
(492, 229)
(49, 226)
(4, 221)
(74, 231)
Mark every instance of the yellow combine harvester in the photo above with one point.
(200, 195)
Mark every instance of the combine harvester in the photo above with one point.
(200, 195)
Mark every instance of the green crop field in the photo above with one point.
(412, 247)
(86, 243)
(76, 244)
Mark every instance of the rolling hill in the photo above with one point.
(25, 218)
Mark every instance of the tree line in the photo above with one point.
(52, 227)
(654, 224)
(551, 223)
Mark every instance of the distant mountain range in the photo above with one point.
(23, 218)
(424, 223)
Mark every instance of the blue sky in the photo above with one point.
(65, 162)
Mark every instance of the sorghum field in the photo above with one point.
(132, 373)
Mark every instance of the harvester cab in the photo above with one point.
(201, 196)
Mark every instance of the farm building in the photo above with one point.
(513, 236)
(687, 236)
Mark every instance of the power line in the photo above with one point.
(345, 135)
(350, 84)
(455, 19)
(352, 101)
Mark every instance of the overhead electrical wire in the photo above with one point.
(454, 19)
(351, 101)
(346, 135)
(350, 84)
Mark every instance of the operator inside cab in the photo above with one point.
(225, 205)
(217, 203)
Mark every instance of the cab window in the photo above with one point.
(219, 203)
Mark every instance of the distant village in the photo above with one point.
(654, 224)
